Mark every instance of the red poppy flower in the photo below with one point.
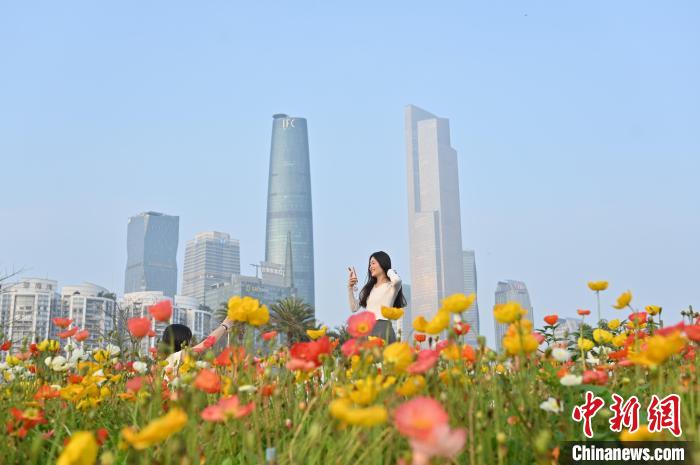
(461, 328)
(6, 345)
(208, 381)
(583, 312)
(82, 335)
(311, 351)
(139, 327)
(229, 355)
(551, 320)
(135, 384)
(693, 332)
(267, 390)
(468, 353)
(595, 377)
(268, 336)
(62, 322)
(68, 333)
(638, 318)
(419, 337)
(162, 311)
(101, 435)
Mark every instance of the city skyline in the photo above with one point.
(573, 165)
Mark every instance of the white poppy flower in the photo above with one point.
(139, 367)
(552, 405)
(561, 355)
(571, 380)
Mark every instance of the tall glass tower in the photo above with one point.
(472, 315)
(507, 291)
(434, 223)
(289, 203)
(151, 249)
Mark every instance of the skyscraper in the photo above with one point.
(151, 248)
(472, 315)
(210, 258)
(289, 203)
(507, 291)
(26, 309)
(434, 222)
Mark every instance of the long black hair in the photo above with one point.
(175, 337)
(385, 262)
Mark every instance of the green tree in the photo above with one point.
(292, 317)
(340, 333)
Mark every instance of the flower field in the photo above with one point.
(428, 399)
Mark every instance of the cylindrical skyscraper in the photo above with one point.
(289, 203)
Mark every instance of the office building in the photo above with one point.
(151, 247)
(289, 214)
(435, 233)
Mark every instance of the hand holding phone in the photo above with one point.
(352, 279)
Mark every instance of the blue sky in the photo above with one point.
(576, 125)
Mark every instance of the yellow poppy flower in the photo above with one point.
(439, 323)
(597, 285)
(81, 449)
(157, 430)
(457, 303)
(398, 356)
(519, 338)
(585, 344)
(259, 316)
(343, 410)
(613, 324)
(412, 386)
(657, 349)
(602, 336)
(619, 340)
(316, 333)
(653, 309)
(420, 323)
(392, 313)
(624, 300)
(508, 312)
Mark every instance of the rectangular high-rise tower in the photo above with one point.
(472, 315)
(210, 258)
(511, 291)
(151, 248)
(434, 221)
(289, 239)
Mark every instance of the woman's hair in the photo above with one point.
(385, 262)
(175, 337)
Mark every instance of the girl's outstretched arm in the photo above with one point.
(214, 336)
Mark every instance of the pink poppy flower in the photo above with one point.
(443, 442)
(300, 364)
(426, 359)
(419, 416)
(361, 324)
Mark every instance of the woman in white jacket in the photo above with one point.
(382, 289)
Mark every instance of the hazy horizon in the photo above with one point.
(576, 128)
